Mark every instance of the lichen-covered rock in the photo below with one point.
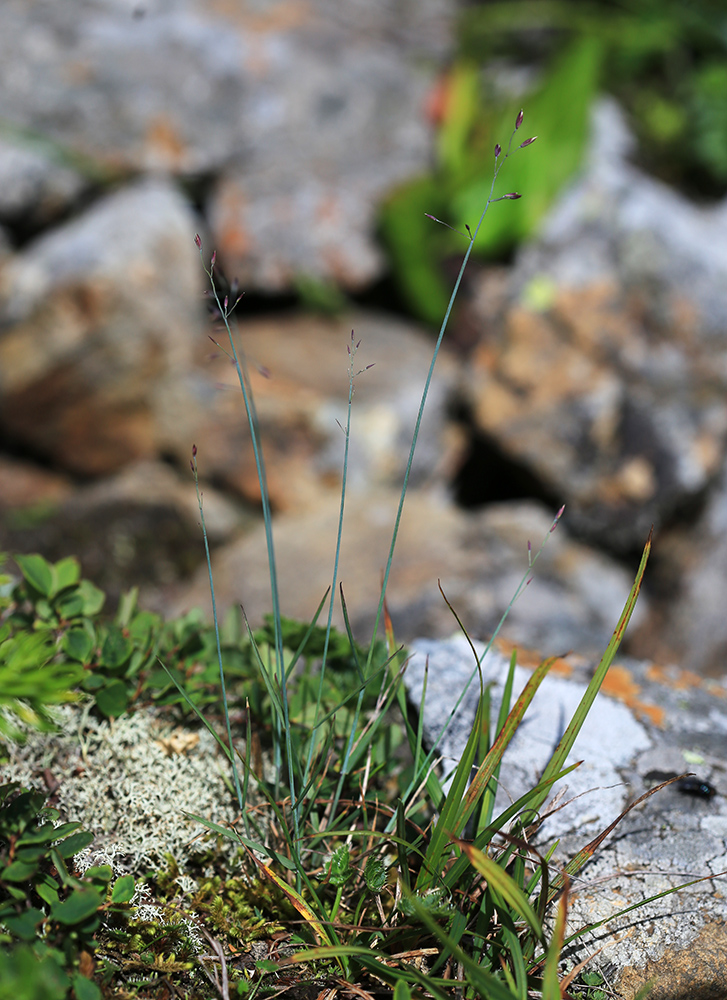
(648, 723)
(606, 376)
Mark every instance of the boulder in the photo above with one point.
(688, 624)
(36, 188)
(299, 370)
(648, 723)
(140, 527)
(605, 375)
(481, 558)
(97, 315)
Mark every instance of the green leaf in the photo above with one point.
(65, 830)
(45, 611)
(99, 873)
(112, 699)
(559, 115)
(28, 974)
(91, 597)
(37, 572)
(77, 644)
(47, 893)
(340, 870)
(13, 893)
(19, 871)
(375, 874)
(81, 904)
(67, 573)
(92, 682)
(31, 855)
(402, 991)
(123, 889)
(74, 844)
(24, 924)
(84, 988)
(44, 834)
(415, 245)
(116, 649)
(70, 606)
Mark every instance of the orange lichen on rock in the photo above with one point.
(619, 684)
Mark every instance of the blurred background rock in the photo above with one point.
(586, 362)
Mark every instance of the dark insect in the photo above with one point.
(692, 785)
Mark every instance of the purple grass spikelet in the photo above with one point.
(519, 119)
(558, 516)
(527, 142)
(498, 149)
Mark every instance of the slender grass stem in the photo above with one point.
(223, 686)
(253, 423)
(472, 236)
(352, 348)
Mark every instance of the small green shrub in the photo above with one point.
(48, 917)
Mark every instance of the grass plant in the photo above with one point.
(386, 888)
(363, 873)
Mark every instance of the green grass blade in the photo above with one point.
(494, 757)
(486, 984)
(502, 883)
(551, 983)
(223, 686)
(352, 348)
(579, 717)
(254, 427)
(454, 873)
(449, 820)
(488, 797)
(379, 963)
(233, 835)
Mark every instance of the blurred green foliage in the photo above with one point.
(664, 60)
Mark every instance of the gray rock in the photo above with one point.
(616, 220)
(298, 368)
(158, 86)
(305, 114)
(573, 602)
(96, 316)
(606, 376)
(657, 721)
(694, 628)
(140, 527)
(34, 187)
